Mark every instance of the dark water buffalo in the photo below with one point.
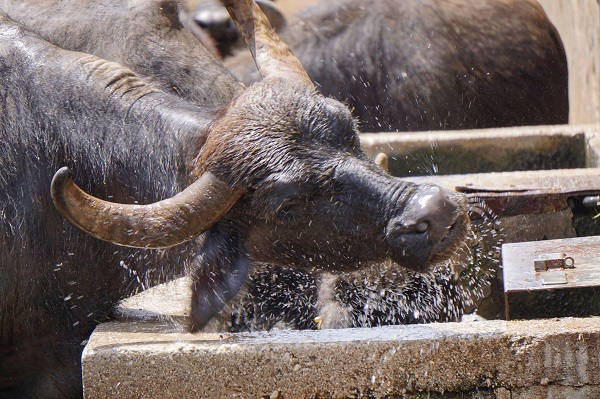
(217, 177)
(411, 65)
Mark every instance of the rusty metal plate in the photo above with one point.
(553, 261)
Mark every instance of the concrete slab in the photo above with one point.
(485, 150)
(150, 359)
(150, 354)
(170, 301)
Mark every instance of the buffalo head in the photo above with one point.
(280, 178)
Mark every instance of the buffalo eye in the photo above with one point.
(281, 198)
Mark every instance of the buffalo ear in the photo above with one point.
(382, 161)
(223, 264)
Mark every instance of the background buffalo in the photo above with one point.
(431, 64)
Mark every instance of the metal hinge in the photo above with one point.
(550, 266)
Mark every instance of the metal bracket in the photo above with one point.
(553, 263)
(558, 260)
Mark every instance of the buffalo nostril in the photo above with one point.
(436, 206)
(416, 227)
(422, 227)
(432, 210)
(408, 227)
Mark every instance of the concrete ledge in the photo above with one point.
(486, 150)
(557, 180)
(152, 359)
(148, 353)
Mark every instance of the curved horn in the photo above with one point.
(159, 225)
(272, 56)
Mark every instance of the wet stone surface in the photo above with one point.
(145, 359)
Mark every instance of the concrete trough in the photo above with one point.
(487, 150)
(148, 353)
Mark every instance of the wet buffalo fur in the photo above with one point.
(279, 297)
(432, 64)
(50, 297)
(148, 37)
(56, 283)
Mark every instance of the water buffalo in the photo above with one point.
(201, 182)
(411, 65)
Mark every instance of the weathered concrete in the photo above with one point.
(170, 301)
(487, 150)
(149, 358)
(515, 181)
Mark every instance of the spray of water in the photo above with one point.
(381, 294)
(387, 294)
